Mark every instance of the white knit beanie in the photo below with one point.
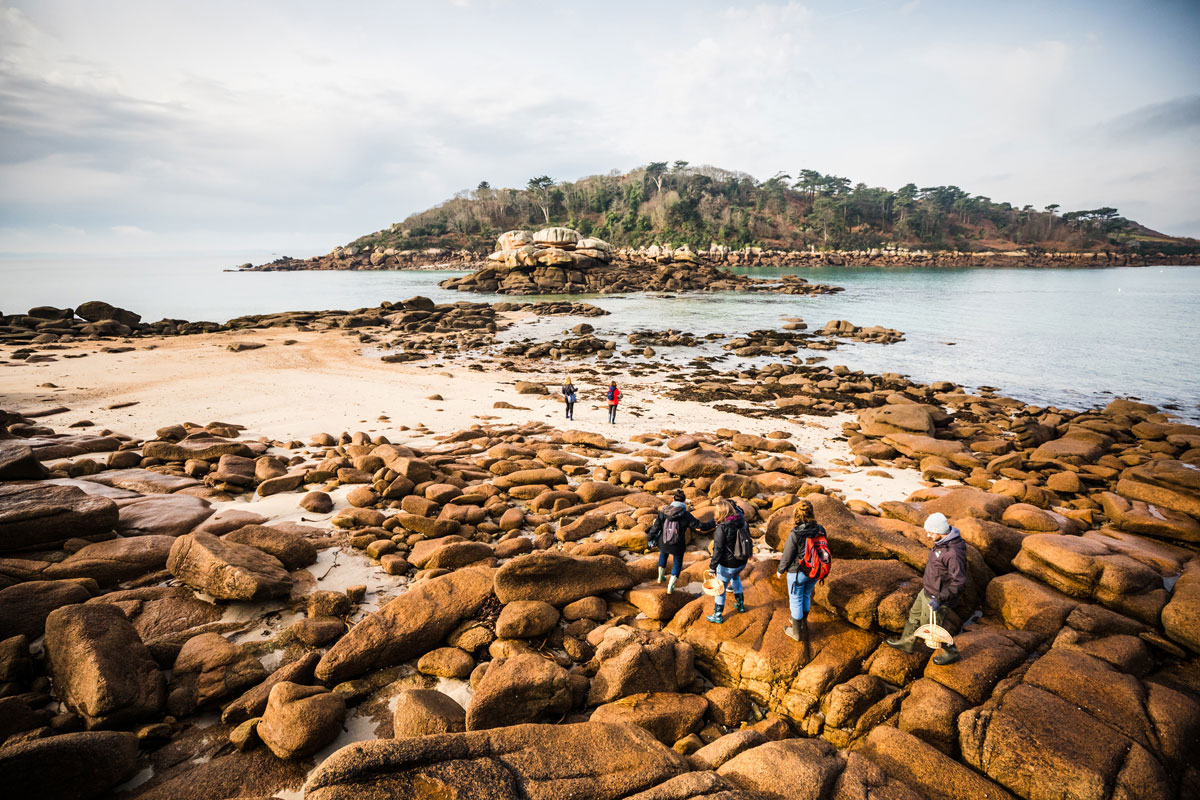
(938, 524)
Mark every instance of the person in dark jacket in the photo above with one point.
(568, 390)
(800, 586)
(724, 563)
(943, 583)
(675, 512)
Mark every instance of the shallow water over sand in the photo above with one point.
(1062, 336)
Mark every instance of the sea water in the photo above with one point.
(1069, 337)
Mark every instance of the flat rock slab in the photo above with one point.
(587, 761)
(227, 570)
(115, 560)
(200, 448)
(18, 463)
(142, 481)
(38, 515)
(560, 579)
(166, 515)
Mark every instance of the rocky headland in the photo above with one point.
(372, 579)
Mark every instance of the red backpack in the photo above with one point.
(817, 558)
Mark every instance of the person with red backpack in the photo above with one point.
(614, 396)
(806, 561)
(732, 548)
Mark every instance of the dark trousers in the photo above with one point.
(919, 614)
(612, 413)
(570, 409)
(676, 553)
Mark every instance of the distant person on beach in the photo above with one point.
(568, 391)
(614, 397)
(942, 585)
(732, 548)
(805, 561)
(669, 533)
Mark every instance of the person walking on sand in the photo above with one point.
(732, 548)
(568, 390)
(942, 585)
(614, 397)
(669, 533)
(806, 562)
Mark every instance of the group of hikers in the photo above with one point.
(806, 561)
(612, 395)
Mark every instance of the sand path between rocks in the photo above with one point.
(326, 382)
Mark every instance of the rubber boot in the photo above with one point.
(741, 603)
(803, 626)
(716, 616)
(793, 630)
(661, 570)
(904, 642)
(671, 584)
(948, 655)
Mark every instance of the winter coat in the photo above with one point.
(614, 395)
(793, 550)
(723, 541)
(568, 391)
(946, 569)
(676, 511)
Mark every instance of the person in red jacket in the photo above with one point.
(942, 585)
(614, 397)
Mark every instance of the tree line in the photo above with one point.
(678, 203)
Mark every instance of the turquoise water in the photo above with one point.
(1069, 337)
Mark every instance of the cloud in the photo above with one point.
(1179, 115)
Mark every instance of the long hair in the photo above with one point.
(725, 508)
(802, 512)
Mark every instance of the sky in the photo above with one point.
(155, 126)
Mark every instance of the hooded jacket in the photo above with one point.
(723, 541)
(946, 570)
(568, 391)
(678, 512)
(793, 550)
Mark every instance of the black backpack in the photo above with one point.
(743, 545)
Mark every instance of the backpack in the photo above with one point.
(670, 531)
(614, 395)
(817, 558)
(743, 546)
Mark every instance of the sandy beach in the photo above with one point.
(325, 382)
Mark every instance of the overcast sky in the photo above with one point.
(138, 126)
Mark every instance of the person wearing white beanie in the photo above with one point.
(944, 580)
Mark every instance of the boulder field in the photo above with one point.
(475, 613)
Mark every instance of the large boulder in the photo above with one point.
(253, 702)
(97, 310)
(583, 761)
(1137, 516)
(292, 549)
(559, 579)
(926, 769)
(559, 237)
(811, 766)
(142, 481)
(165, 617)
(1076, 754)
(201, 448)
(115, 560)
(227, 570)
(899, 418)
(1181, 617)
(409, 626)
(300, 720)
(210, 668)
(102, 671)
(18, 463)
(41, 515)
(699, 463)
(424, 712)
(870, 593)
(73, 766)
(526, 619)
(524, 688)
(25, 606)
(668, 716)
(631, 661)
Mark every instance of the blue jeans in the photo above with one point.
(800, 592)
(730, 578)
(676, 553)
